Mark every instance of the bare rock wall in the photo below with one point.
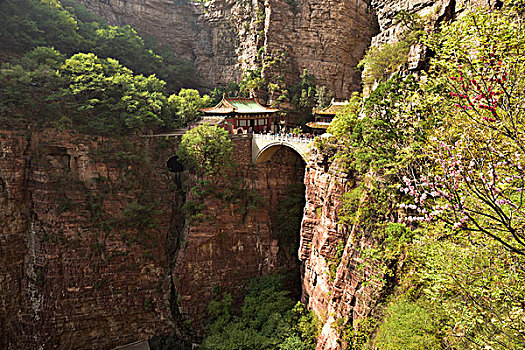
(350, 291)
(73, 272)
(225, 38)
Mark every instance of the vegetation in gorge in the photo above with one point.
(440, 162)
(268, 319)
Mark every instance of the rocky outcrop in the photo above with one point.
(339, 286)
(220, 38)
(327, 38)
(225, 38)
(431, 13)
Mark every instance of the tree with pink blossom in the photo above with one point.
(475, 177)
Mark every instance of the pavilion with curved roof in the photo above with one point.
(241, 115)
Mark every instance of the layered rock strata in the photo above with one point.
(226, 38)
(343, 290)
(78, 269)
(92, 236)
(238, 240)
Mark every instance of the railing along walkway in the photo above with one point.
(284, 138)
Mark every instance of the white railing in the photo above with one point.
(284, 138)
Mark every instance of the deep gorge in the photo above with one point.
(102, 230)
(105, 240)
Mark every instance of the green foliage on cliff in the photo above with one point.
(380, 62)
(84, 91)
(111, 97)
(49, 83)
(438, 160)
(206, 150)
(267, 319)
(407, 326)
(251, 81)
(70, 28)
(186, 104)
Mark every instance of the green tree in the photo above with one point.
(108, 98)
(206, 150)
(26, 87)
(474, 180)
(323, 96)
(380, 62)
(268, 320)
(186, 105)
(346, 119)
(69, 27)
(407, 326)
(303, 96)
(27, 24)
(252, 81)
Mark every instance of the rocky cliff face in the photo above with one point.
(221, 38)
(238, 238)
(225, 38)
(327, 38)
(92, 237)
(78, 267)
(432, 13)
(339, 285)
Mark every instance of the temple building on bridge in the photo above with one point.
(241, 115)
(324, 116)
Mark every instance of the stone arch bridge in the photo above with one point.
(264, 146)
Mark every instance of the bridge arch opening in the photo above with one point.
(267, 153)
(282, 171)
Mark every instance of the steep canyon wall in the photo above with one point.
(225, 38)
(238, 238)
(92, 238)
(79, 268)
(339, 284)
